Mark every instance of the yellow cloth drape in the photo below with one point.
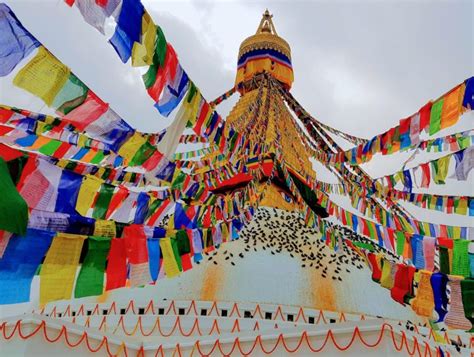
(89, 188)
(169, 261)
(59, 268)
(43, 76)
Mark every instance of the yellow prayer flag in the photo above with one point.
(131, 146)
(41, 127)
(89, 188)
(452, 107)
(82, 140)
(104, 228)
(461, 208)
(62, 163)
(456, 232)
(169, 261)
(43, 76)
(59, 268)
(225, 232)
(142, 53)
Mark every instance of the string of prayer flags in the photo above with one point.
(434, 171)
(138, 37)
(16, 42)
(432, 117)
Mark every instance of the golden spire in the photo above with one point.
(266, 24)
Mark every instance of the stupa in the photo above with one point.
(286, 280)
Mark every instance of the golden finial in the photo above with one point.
(266, 24)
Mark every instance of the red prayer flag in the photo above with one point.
(116, 200)
(61, 150)
(7, 153)
(405, 125)
(205, 108)
(425, 175)
(116, 265)
(186, 262)
(5, 114)
(135, 243)
(425, 113)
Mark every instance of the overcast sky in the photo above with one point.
(359, 66)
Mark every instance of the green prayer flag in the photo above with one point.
(72, 95)
(149, 77)
(178, 181)
(461, 264)
(440, 168)
(444, 260)
(143, 153)
(183, 242)
(98, 157)
(102, 204)
(160, 48)
(177, 256)
(464, 142)
(435, 116)
(50, 148)
(400, 242)
(90, 280)
(371, 228)
(13, 208)
(467, 294)
(363, 245)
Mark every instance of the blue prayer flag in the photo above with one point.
(15, 41)
(19, 264)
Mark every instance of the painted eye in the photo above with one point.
(286, 197)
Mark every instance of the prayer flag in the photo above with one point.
(15, 42)
(116, 265)
(435, 116)
(13, 208)
(468, 100)
(128, 28)
(452, 107)
(90, 280)
(59, 267)
(43, 76)
(19, 263)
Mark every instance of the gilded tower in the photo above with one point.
(261, 116)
